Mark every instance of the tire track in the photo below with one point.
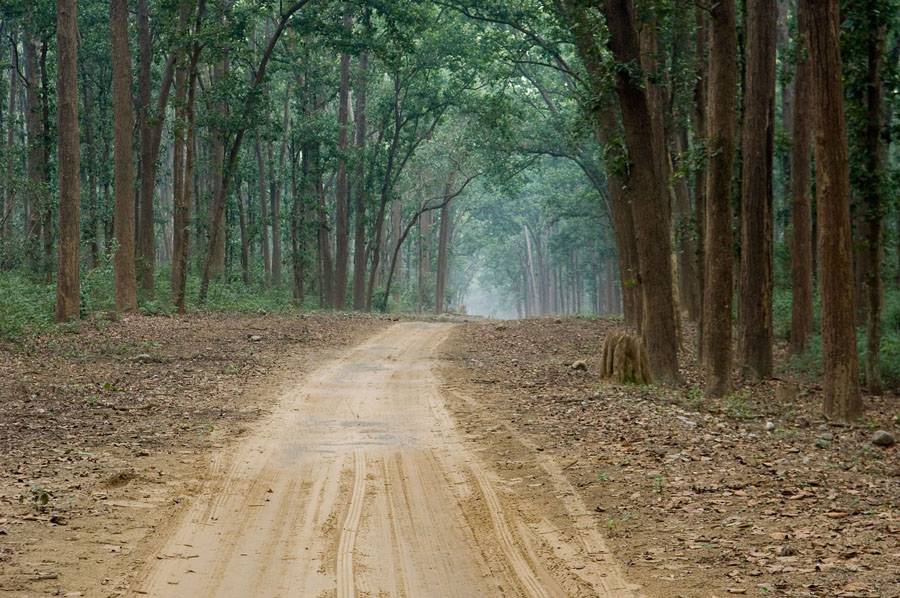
(346, 586)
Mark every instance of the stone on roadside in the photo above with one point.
(580, 366)
(883, 438)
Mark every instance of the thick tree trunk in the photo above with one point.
(718, 250)
(758, 134)
(125, 283)
(650, 204)
(801, 209)
(359, 187)
(342, 184)
(68, 286)
(841, 363)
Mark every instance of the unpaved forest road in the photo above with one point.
(359, 485)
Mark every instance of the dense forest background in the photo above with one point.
(681, 164)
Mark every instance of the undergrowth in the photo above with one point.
(809, 363)
(27, 302)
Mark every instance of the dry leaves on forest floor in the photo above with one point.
(697, 497)
(103, 431)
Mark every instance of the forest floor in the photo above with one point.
(695, 497)
(104, 432)
(194, 456)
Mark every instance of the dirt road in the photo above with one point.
(360, 485)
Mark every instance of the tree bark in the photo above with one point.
(9, 188)
(841, 363)
(342, 184)
(801, 208)
(650, 204)
(217, 165)
(35, 157)
(360, 190)
(181, 184)
(245, 236)
(758, 134)
(68, 286)
(440, 289)
(263, 212)
(277, 183)
(123, 116)
(718, 250)
(685, 231)
(698, 118)
(871, 196)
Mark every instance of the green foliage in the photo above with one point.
(809, 362)
(26, 306)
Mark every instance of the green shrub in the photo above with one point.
(26, 305)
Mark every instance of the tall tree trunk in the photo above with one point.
(841, 363)
(181, 185)
(440, 290)
(9, 188)
(342, 184)
(36, 165)
(263, 212)
(299, 214)
(650, 204)
(277, 183)
(359, 186)
(326, 269)
(801, 209)
(424, 259)
(48, 234)
(698, 118)
(758, 134)
(217, 166)
(150, 126)
(718, 250)
(685, 231)
(871, 196)
(245, 236)
(146, 247)
(68, 284)
(125, 283)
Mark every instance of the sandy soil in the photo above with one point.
(695, 497)
(105, 432)
(359, 484)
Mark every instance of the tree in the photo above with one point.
(758, 133)
(360, 187)
(126, 286)
(720, 131)
(650, 202)
(649, 196)
(342, 184)
(68, 286)
(801, 210)
(841, 363)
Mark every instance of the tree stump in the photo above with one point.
(624, 359)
